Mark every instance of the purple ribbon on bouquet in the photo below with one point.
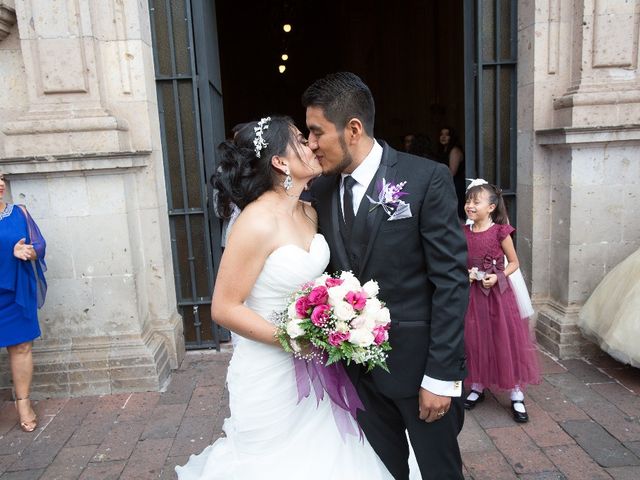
(332, 379)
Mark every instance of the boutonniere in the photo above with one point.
(389, 198)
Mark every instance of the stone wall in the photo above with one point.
(80, 146)
(579, 148)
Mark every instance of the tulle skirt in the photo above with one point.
(520, 291)
(611, 316)
(500, 351)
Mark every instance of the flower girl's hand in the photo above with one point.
(489, 280)
(472, 274)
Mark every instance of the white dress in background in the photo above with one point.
(269, 434)
(611, 316)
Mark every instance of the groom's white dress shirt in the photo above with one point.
(363, 176)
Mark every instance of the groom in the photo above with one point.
(414, 247)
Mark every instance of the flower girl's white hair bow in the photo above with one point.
(476, 182)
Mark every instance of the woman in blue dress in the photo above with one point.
(22, 291)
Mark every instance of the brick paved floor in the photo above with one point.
(585, 424)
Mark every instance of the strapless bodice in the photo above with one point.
(284, 271)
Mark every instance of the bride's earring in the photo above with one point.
(288, 181)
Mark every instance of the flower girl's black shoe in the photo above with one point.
(469, 404)
(520, 417)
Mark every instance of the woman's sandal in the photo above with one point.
(26, 425)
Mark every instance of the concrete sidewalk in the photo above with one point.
(584, 425)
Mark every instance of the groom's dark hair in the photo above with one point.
(342, 96)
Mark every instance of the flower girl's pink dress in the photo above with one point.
(499, 348)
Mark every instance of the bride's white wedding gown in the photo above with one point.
(269, 434)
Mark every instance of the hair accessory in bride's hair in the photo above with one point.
(476, 182)
(259, 143)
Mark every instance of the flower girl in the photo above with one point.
(500, 352)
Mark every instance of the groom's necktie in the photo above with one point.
(347, 204)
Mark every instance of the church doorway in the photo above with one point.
(410, 54)
(219, 63)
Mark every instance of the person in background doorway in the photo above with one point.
(421, 146)
(407, 141)
(451, 154)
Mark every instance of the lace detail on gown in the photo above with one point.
(269, 434)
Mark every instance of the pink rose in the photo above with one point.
(333, 282)
(337, 338)
(302, 306)
(357, 300)
(380, 334)
(318, 296)
(320, 315)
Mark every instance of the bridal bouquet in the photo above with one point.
(336, 318)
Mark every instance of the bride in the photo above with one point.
(272, 249)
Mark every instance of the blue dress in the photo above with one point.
(19, 284)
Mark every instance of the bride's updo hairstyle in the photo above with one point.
(245, 171)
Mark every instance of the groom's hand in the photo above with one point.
(432, 407)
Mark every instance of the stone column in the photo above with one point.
(7, 18)
(590, 152)
(67, 106)
(80, 146)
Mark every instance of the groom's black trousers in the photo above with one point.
(435, 444)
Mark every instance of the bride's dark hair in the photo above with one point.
(242, 175)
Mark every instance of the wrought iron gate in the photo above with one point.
(491, 49)
(191, 121)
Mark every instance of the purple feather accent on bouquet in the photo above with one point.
(333, 380)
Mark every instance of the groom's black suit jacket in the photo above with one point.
(418, 262)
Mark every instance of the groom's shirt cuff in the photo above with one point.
(444, 388)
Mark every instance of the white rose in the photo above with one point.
(294, 329)
(351, 283)
(342, 327)
(344, 311)
(361, 337)
(369, 322)
(347, 275)
(383, 317)
(292, 314)
(358, 322)
(321, 281)
(372, 306)
(371, 288)
(364, 320)
(336, 294)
